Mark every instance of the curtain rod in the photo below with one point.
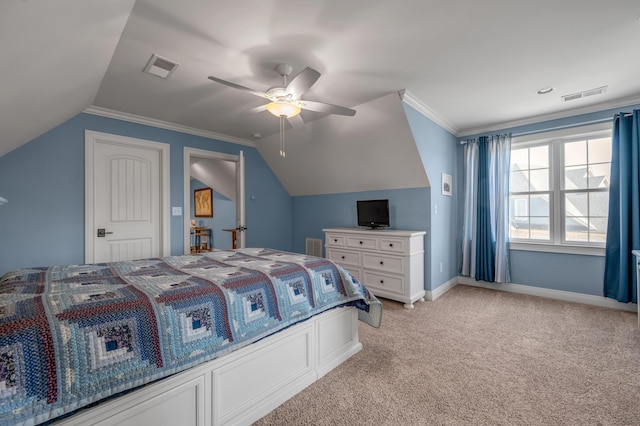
(568, 126)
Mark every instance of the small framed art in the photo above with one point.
(447, 185)
(203, 202)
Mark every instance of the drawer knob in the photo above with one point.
(390, 244)
(381, 281)
(342, 257)
(360, 242)
(335, 240)
(381, 262)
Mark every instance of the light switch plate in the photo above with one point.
(176, 211)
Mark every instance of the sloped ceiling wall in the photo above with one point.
(217, 174)
(374, 150)
(52, 62)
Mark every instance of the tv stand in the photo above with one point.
(389, 262)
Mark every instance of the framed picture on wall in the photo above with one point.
(203, 202)
(447, 182)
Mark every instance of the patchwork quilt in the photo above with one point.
(72, 335)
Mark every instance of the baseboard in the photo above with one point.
(567, 296)
(433, 295)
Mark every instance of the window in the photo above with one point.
(559, 188)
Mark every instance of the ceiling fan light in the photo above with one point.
(286, 109)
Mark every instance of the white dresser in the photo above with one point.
(389, 262)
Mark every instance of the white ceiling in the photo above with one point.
(474, 64)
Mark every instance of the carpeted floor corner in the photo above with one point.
(482, 357)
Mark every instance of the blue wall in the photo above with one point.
(408, 209)
(557, 271)
(43, 223)
(438, 148)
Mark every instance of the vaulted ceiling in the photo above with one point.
(472, 65)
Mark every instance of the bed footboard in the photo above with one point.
(242, 386)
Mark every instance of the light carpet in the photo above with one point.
(482, 357)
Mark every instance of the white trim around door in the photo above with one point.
(93, 137)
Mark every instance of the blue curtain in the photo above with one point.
(485, 241)
(485, 252)
(623, 229)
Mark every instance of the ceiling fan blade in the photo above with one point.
(237, 86)
(326, 108)
(296, 121)
(302, 82)
(259, 108)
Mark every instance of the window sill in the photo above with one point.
(557, 248)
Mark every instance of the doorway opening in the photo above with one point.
(224, 174)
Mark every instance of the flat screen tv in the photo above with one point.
(373, 213)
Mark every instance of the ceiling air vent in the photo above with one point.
(160, 67)
(579, 95)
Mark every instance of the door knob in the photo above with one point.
(102, 233)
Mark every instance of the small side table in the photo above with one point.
(201, 240)
(233, 237)
(636, 253)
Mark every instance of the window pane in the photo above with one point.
(600, 150)
(540, 228)
(519, 205)
(519, 227)
(539, 157)
(599, 204)
(575, 153)
(576, 204)
(586, 216)
(539, 220)
(539, 180)
(520, 158)
(519, 216)
(599, 175)
(598, 230)
(575, 177)
(539, 205)
(576, 229)
(519, 181)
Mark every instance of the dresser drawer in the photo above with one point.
(392, 245)
(362, 242)
(336, 240)
(383, 263)
(384, 282)
(344, 257)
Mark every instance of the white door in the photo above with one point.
(125, 198)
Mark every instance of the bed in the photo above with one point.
(216, 338)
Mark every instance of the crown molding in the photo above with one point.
(132, 118)
(619, 103)
(413, 102)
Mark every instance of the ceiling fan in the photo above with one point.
(286, 100)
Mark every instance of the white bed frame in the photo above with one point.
(240, 387)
